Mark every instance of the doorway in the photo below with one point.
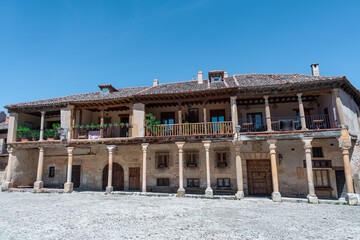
(134, 178)
(117, 177)
(75, 175)
(259, 177)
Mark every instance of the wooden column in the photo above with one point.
(268, 114)
(205, 116)
(42, 124)
(39, 183)
(144, 149)
(276, 196)
(69, 186)
(8, 184)
(109, 188)
(208, 191)
(301, 112)
(102, 123)
(339, 107)
(180, 118)
(234, 112)
(239, 174)
(181, 190)
(312, 198)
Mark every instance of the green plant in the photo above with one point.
(92, 125)
(87, 126)
(35, 134)
(116, 124)
(49, 133)
(77, 126)
(23, 132)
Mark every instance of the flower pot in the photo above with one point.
(24, 140)
(50, 139)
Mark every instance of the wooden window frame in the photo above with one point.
(223, 161)
(192, 162)
(163, 182)
(191, 182)
(52, 171)
(320, 163)
(161, 161)
(317, 183)
(223, 180)
(317, 152)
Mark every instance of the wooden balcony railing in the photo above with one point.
(119, 131)
(189, 129)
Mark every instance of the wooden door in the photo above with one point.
(134, 178)
(259, 177)
(75, 175)
(117, 177)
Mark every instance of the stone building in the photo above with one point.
(3, 149)
(272, 135)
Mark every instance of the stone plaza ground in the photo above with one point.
(95, 216)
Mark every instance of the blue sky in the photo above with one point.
(57, 48)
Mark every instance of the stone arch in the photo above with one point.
(117, 177)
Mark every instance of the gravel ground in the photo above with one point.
(95, 216)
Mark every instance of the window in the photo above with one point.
(2, 166)
(193, 115)
(317, 152)
(221, 159)
(167, 117)
(191, 159)
(163, 160)
(320, 164)
(223, 182)
(162, 182)
(321, 178)
(193, 182)
(216, 79)
(51, 172)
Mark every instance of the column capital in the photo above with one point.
(307, 142)
(237, 143)
(345, 139)
(266, 97)
(43, 113)
(272, 145)
(110, 148)
(144, 146)
(11, 150)
(233, 98)
(207, 145)
(299, 95)
(180, 145)
(336, 91)
(41, 148)
(70, 150)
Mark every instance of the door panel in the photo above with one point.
(134, 178)
(259, 177)
(117, 177)
(76, 170)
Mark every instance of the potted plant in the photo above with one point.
(49, 134)
(116, 124)
(35, 135)
(24, 133)
(150, 121)
(92, 126)
(87, 127)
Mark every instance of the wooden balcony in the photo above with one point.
(189, 129)
(119, 131)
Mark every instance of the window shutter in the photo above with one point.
(156, 160)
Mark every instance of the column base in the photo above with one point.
(352, 198)
(239, 195)
(180, 192)
(68, 187)
(38, 185)
(312, 198)
(109, 189)
(276, 197)
(209, 192)
(6, 186)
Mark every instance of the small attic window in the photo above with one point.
(283, 77)
(107, 88)
(187, 84)
(249, 77)
(216, 79)
(163, 86)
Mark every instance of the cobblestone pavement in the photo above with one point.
(95, 216)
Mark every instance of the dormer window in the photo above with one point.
(107, 88)
(216, 76)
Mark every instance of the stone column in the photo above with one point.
(276, 196)
(42, 123)
(12, 127)
(69, 186)
(208, 191)
(138, 116)
(39, 183)
(268, 114)
(345, 145)
(239, 174)
(110, 148)
(181, 190)
(339, 106)
(144, 149)
(8, 184)
(301, 112)
(312, 198)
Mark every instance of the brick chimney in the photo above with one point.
(155, 82)
(200, 77)
(315, 69)
(225, 75)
